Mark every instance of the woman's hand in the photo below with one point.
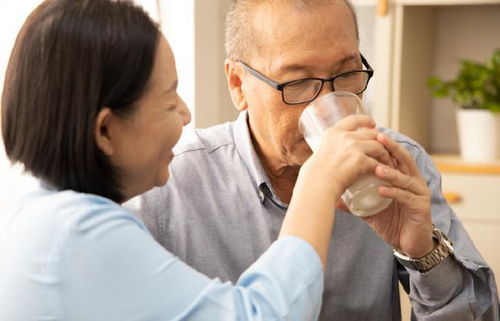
(347, 151)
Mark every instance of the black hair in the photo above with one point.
(71, 59)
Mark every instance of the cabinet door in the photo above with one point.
(477, 205)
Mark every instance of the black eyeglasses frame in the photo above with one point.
(281, 86)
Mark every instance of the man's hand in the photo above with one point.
(406, 224)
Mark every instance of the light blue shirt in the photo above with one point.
(72, 256)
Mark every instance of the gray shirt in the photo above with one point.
(219, 213)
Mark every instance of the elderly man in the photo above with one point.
(231, 184)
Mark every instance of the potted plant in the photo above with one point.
(476, 91)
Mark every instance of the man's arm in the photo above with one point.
(462, 287)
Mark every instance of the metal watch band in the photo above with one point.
(442, 250)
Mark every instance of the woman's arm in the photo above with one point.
(112, 269)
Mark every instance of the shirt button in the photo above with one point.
(261, 195)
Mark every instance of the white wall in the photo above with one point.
(12, 16)
(366, 24)
(195, 31)
(177, 18)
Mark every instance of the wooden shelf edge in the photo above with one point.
(479, 220)
(454, 164)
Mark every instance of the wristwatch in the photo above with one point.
(423, 264)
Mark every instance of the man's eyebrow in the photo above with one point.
(300, 67)
(350, 58)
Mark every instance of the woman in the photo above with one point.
(90, 108)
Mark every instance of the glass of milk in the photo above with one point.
(362, 197)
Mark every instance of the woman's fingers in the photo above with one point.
(342, 206)
(353, 122)
(363, 134)
(374, 150)
(364, 140)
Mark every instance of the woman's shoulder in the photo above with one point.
(59, 214)
(47, 240)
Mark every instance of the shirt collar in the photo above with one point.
(245, 147)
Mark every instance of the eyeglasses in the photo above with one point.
(305, 90)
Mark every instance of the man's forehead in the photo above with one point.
(292, 40)
(287, 25)
(283, 11)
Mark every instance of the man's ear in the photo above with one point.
(103, 131)
(234, 74)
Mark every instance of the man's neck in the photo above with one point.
(282, 176)
(283, 180)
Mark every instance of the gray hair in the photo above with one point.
(239, 25)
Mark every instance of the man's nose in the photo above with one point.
(327, 88)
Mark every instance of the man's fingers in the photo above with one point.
(399, 180)
(403, 157)
(401, 196)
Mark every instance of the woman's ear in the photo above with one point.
(234, 83)
(103, 131)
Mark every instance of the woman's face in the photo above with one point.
(142, 142)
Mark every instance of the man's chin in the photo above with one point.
(302, 153)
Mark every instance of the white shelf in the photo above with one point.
(445, 2)
(364, 3)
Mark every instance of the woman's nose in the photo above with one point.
(184, 112)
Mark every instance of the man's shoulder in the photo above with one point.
(205, 153)
(205, 141)
(422, 158)
(411, 145)
(205, 162)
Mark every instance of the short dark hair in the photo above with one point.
(71, 59)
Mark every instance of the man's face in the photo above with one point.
(315, 42)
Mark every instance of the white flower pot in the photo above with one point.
(479, 135)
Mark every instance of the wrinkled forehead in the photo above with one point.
(283, 27)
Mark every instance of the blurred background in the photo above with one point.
(405, 41)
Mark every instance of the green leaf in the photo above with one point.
(434, 82)
(441, 92)
(477, 85)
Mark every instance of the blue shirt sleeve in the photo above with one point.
(462, 287)
(116, 271)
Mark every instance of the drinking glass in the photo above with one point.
(362, 197)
